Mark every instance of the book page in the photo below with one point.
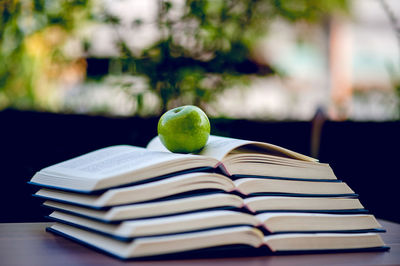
(216, 147)
(109, 161)
(156, 145)
(219, 147)
(322, 241)
(162, 225)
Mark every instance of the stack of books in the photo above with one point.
(255, 197)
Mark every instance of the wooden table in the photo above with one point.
(29, 244)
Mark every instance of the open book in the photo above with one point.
(199, 181)
(247, 236)
(122, 165)
(212, 201)
(135, 202)
(269, 223)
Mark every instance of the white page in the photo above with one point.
(109, 161)
(218, 147)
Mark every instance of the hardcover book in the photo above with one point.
(213, 201)
(199, 181)
(243, 236)
(121, 165)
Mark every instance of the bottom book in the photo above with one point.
(246, 236)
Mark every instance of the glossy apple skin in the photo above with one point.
(184, 129)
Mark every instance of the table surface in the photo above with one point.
(29, 244)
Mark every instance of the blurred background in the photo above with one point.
(282, 59)
(319, 77)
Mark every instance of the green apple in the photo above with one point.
(184, 129)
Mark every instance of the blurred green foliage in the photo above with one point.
(31, 34)
(393, 74)
(207, 49)
(200, 53)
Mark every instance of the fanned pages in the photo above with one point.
(213, 201)
(268, 222)
(234, 194)
(199, 181)
(152, 209)
(243, 157)
(219, 147)
(241, 235)
(116, 166)
(124, 165)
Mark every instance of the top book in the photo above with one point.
(122, 165)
